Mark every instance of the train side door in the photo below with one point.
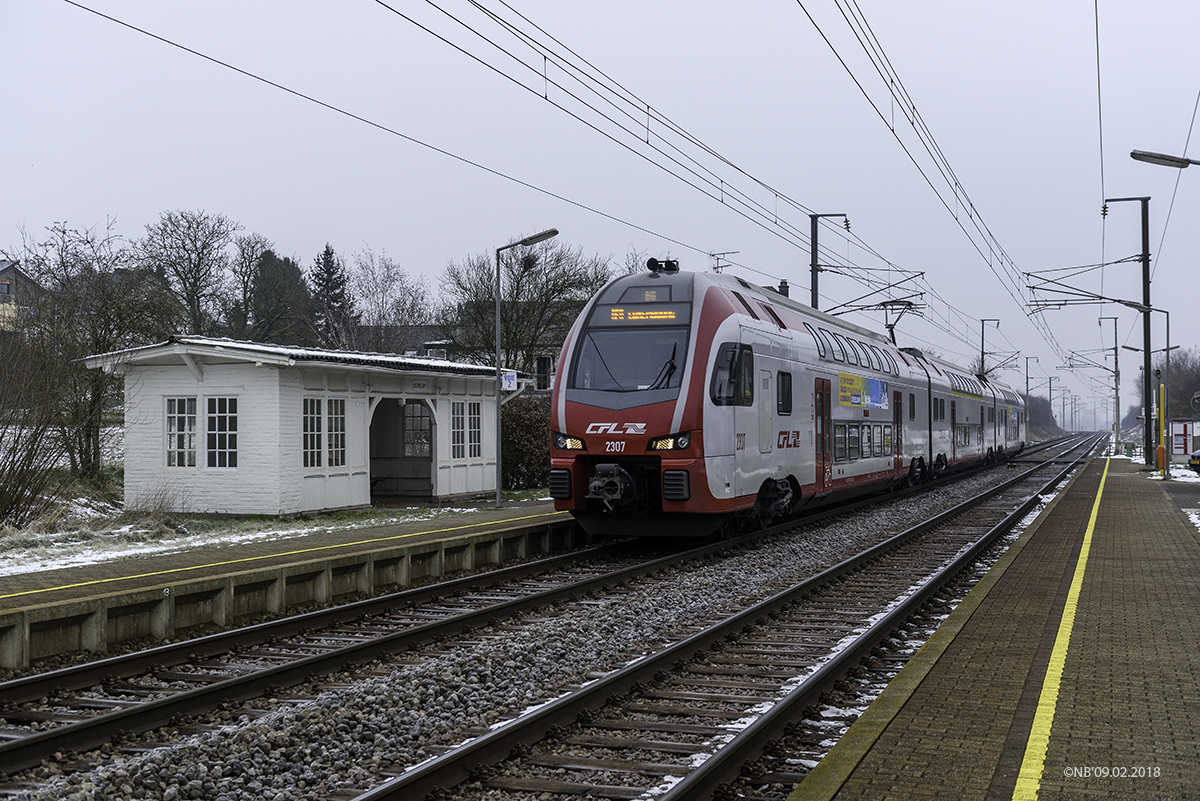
(953, 431)
(898, 431)
(766, 413)
(823, 456)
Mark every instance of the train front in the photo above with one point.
(626, 452)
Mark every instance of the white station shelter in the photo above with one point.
(223, 426)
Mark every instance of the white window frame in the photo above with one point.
(312, 427)
(221, 444)
(474, 431)
(180, 444)
(458, 430)
(335, 414)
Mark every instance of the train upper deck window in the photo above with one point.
(851, 358)
(820, 344)
(630, 359)
(873, 355)
(876, 353)
(733, 376)
(835, 347)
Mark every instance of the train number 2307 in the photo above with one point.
(615, 446)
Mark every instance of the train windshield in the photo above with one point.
(630, 359)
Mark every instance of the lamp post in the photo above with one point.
(526, 242)
(1116, 385)
(1146, 378)
(816, 268)
(982, 368)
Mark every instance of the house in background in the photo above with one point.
(15, 286)
(231, 427)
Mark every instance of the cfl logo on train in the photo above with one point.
(788, 439)
(615, 428)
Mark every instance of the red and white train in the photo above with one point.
(690, 402)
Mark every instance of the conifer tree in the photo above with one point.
(333, 317)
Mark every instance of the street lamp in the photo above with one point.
(1162, 159)
(526, 242)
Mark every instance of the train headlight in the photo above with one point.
(566, 443)
(675, 442)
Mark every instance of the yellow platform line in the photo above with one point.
(247, 559)
(1029, 780)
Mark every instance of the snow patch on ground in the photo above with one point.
(22, 552)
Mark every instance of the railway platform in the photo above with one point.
(90, 608)
(1072, 670)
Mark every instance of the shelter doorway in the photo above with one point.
(401, 450)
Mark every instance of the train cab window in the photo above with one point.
(783, 393)
(853, 446)
(912, 406)
(820, 344)
(879, 440)
(839, 442)
(835, 346)
(867, 439)
(733, 376)
(851, 356)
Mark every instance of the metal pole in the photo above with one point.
(499, 382)
(816, 267)
(816, 270)
(526, 242)
(1147, 390)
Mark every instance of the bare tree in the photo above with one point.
(393, 306)
(93, 299)
(543, 289)
(243, 268)
(190, 250)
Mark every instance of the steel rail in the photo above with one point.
(726, 764)
(457, 766)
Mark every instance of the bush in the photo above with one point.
(525, 442)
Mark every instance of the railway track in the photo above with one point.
(683, 723)
(151, 689)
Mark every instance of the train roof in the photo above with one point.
(684, 285)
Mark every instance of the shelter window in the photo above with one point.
(221, 429)
(312, 432)
(474, 431)
(181, 432)
(336, 408)
(417, 427)
(458, 430)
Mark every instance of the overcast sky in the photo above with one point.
(104, 122)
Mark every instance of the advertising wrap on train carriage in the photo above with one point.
(865, 393)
